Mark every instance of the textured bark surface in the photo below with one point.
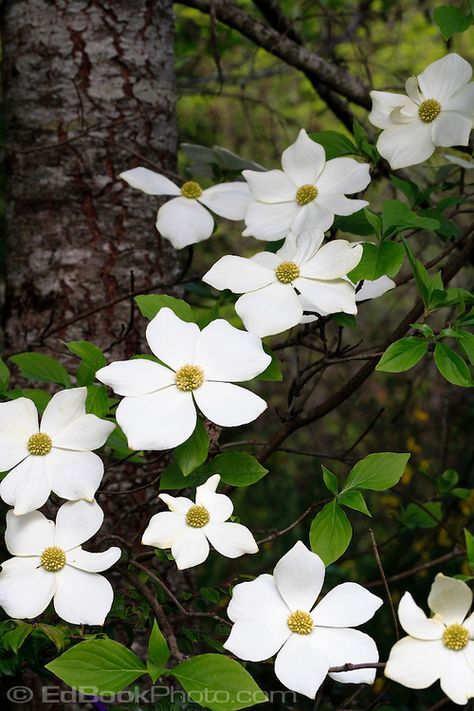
(89, 92)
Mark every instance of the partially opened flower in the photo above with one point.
(438, 111)
(188, 527)
(275, 285)
(276, 614)
(184, 220)
(50, 563)
(55, 455)
(159, 407)
(307, 193)
(438, 647)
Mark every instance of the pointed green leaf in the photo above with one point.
(402, 355)
(377, 472)
(354, 500)
(452, 366)
(192, 453)
(330, 533)
(158, 653)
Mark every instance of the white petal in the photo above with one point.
(415, 622)
(383, 103)
(228, 405)
(416, 663)
(299, 577)
(93, 562)
(26, 588)
(64, 408)
(450, 599)
(287, 253)
(229, 200)
(441, 79)
(164, 528)
(82, 598)
(334, 259)
(228, 354)
(270, 222)
(177, 504)
(270, 310)
(457, 678)
(183, 222)
(171, 339)
(300, 666)
(469, 623)
(231, 539)
(219, 506)
(86, 433)
(271, 186)
(347, 605)
(74, 475)
(138, 376)
(190, 548)
(76, 522)
(18, 421)
(462, 101)
(407, 144)
(328, 297)
(451, 129)
(259, 600)
(339, 204)
(304, 160)
(307, 244)
(161, 420)
(238, 274)
(342, 646)
(256, 641)
(413, 90)
(27, 486)
(371, 289)
(311, 216)
(267, 260)
(29, 534)
(149, 182)
(344, 175)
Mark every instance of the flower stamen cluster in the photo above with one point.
(455, 637)
(39, 444)
(286, 272)
(306, 194)
(197, 517)
(189, 377)
(300, 622)
(191, 190)
(429, 110)
(53, 559)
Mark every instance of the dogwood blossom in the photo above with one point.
(439, 647)
(307, 193)
(54, 456)
(438, 111)
(50, 563)
(188, 527)
(200, 367)
(276, 614)
(184, 220)
(274, 285)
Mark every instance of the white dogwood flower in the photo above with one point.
(50, 563)
(54, 456)
(439, 647)
(184, 220)
(188, 527)
(159, 407)
(438, 111)
(306, 194)
(276, 614)
(275, 285)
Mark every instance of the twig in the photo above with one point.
(385, 583)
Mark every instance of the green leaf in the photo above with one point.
(192, 453)
(397, 217)
(378, 260)
(451, 20)
(97, 402)
(39, 397)
(55, 633)
(150, 304)
(354, 500)
(273, 370)
(466, 342)
(355, 224)
(447, 481)
(377, 472)
(403, 355)
(101, 664)
(422, 277)
(461, 493)
(452, 366)
(89, 353)
(4, 376)
(218, 682)
(42, 367)
(335, 144)
(235, 468)
(14, 638)
(330, 480)
(330, 533)
(158, 653)
(426, 516)
(469, 539)
(173, 478)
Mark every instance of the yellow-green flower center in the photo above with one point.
(189, 377)
(300, 622)
(286, 272)
(39, 444)
(455, 637)
(306, 194)
(429, 110)
(191, 190)
(53, 559)
(197, 516)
